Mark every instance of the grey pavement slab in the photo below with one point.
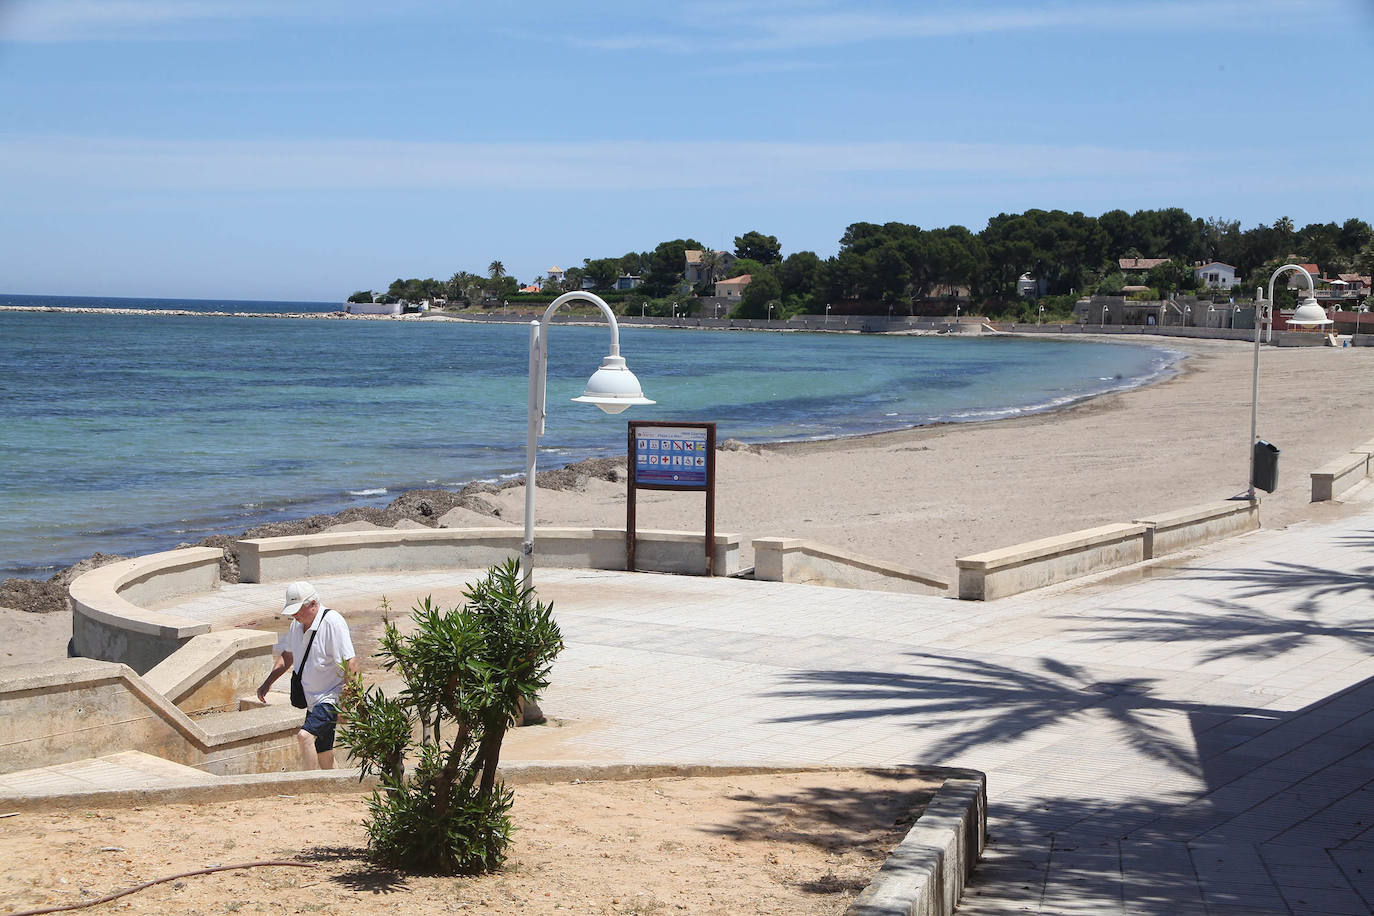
(1186, 738)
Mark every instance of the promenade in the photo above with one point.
(1186, 738)
(1198, 739)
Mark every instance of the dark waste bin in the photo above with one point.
(1266, 473)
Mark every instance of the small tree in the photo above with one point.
(466, 673)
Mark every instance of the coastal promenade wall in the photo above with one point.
(1035, 564)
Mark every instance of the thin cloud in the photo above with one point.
(141, 165)
(54, 21)
(721, 27)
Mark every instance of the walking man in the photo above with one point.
(319, 648)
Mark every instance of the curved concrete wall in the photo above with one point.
(108, 622)
(285, 558)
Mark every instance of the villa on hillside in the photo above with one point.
(695, 269)
(556, 274)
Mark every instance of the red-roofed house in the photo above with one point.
(1295, 280)
(734, 287)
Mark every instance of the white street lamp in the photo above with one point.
(770, 311)
(1040, 315)
(1264, 310)
(642, 307)
(827, 313)
(1187, 310)
(612, 387)
(1104, 316)
(1355, 340)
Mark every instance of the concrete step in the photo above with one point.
(125, 770)
(254, 720)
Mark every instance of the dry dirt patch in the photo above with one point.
(795, 843)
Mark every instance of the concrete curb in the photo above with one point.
(925, 875)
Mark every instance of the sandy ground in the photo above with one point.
(920, 498)
(783, 843)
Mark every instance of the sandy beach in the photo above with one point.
(923, 497)
(920, 498)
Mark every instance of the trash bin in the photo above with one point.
(1266, 474)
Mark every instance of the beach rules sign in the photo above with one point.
(678, 456)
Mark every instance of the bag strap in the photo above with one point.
(311, 642)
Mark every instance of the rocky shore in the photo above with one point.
(413, 508)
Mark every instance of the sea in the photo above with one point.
(133, 433)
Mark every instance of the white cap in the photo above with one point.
(297, 594)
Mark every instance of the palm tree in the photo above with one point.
(496, 269)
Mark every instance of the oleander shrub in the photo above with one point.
(467, 671)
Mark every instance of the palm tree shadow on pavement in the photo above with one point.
(974, 702)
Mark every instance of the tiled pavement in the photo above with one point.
(1198, 739)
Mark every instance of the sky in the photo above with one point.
(270, 150)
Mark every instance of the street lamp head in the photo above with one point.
(613, 387)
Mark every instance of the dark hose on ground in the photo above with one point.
(146, 884)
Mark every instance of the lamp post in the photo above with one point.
(1355, 340)
(1264, 309)
(827, 313)
(642, 307)
(770, 311)
(1187, 310)
(1104, 316)
(956, 313)
(612, 387)
(1040, 315)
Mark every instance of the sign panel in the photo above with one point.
(671, 456)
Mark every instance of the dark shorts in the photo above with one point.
(320, 722)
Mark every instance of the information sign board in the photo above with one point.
(678, 456)
(671, 456)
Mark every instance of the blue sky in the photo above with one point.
(264, 149)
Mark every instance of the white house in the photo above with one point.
(1026, 285)
(1215, 275)
(556, 275)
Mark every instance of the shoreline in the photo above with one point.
(1172, 361)
(921, 497)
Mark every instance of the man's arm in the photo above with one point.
(279, 668)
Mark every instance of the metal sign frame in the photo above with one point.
(688, 439)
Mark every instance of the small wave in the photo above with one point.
(374, 491)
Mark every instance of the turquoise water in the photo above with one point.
(130, 434)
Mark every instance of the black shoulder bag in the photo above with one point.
(297, 688)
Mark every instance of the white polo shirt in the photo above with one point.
(320, 674)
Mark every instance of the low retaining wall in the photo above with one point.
(305, 556)
(108, 622)
(1187, 528)
(212, 671)
(807, 562)
(1035, 564)
(77, 708)
(1340, 474)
